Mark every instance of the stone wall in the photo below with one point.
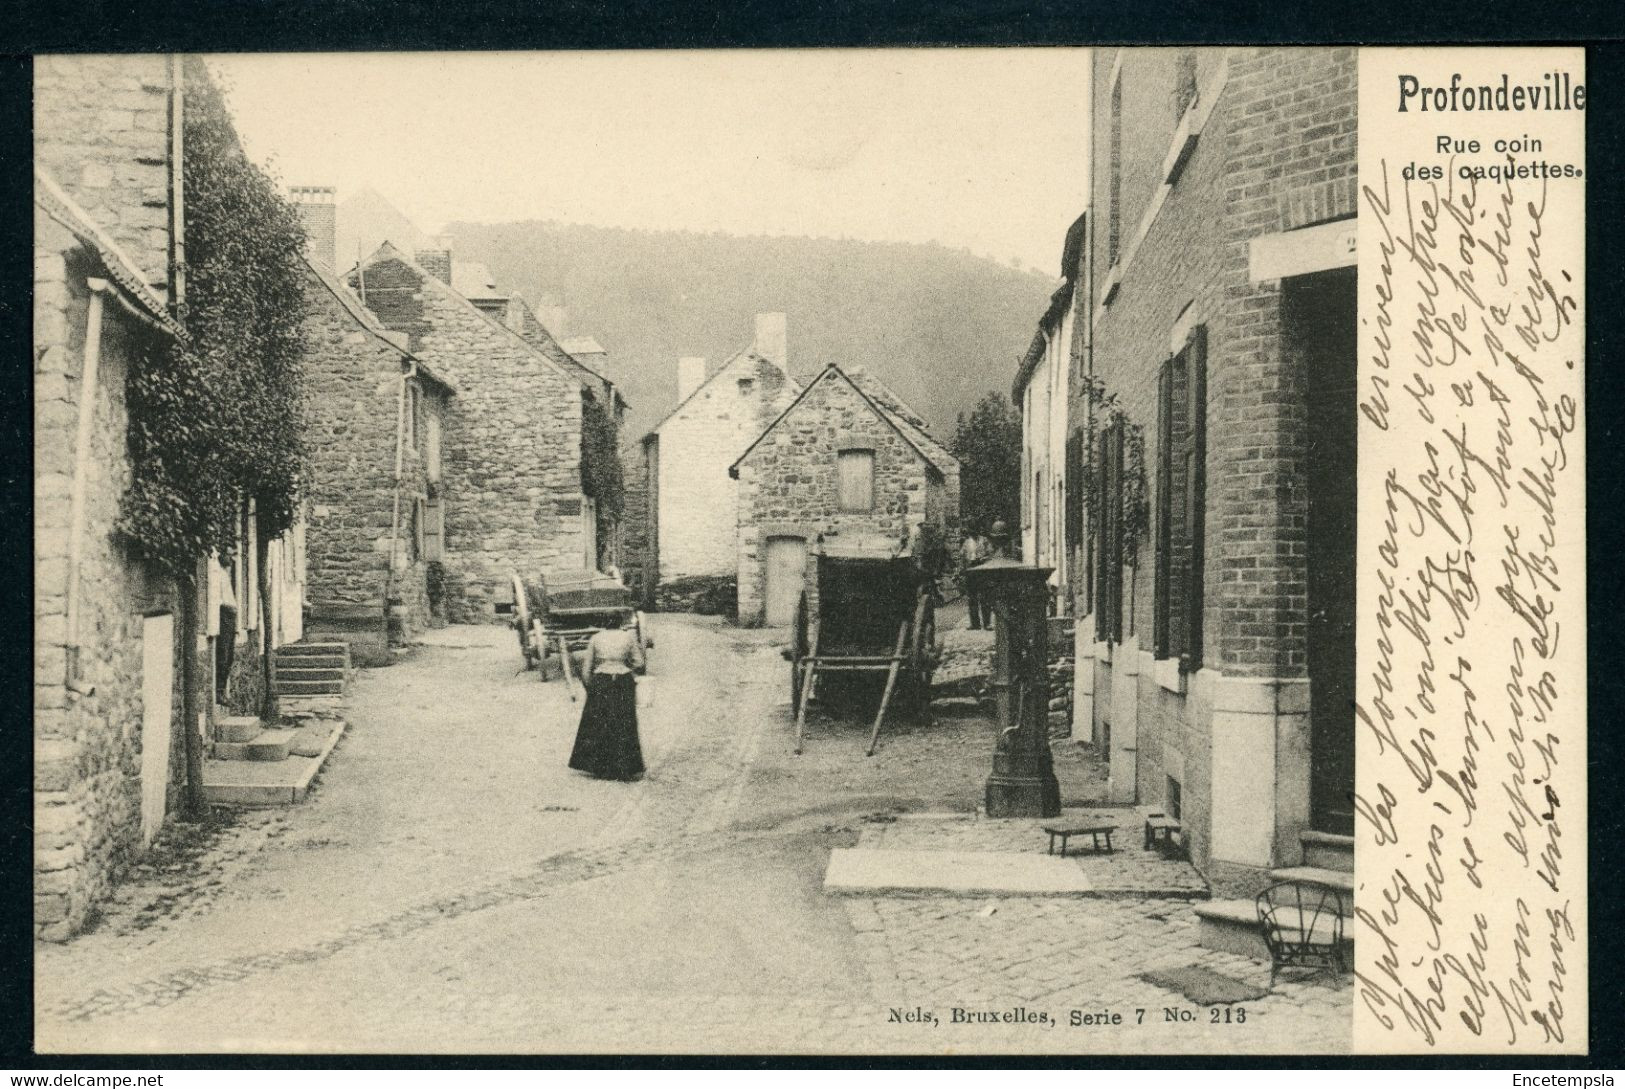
(101, 130)
(511, 444)
(697, 444)
(87, 743)
(636, 523)
(788, 482)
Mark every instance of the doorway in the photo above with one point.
(1319, 319)
(786, 568)
(157, 709)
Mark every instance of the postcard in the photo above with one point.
(1033, 551)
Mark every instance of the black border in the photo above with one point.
(331, 25)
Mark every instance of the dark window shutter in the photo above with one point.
(1163, 541)
(1196, 497)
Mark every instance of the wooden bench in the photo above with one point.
(1094, 831)
(1160, 831)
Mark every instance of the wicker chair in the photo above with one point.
(1303, 926)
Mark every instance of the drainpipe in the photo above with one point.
(81, 472)
(395, 517)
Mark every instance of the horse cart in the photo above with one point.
(867, 611)
(555, 622)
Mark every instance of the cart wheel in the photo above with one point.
(521, 621)
(798, 651)
(923, 652)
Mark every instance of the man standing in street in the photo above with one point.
(972, 551)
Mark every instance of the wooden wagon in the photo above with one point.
(867, 609)
(555, 622)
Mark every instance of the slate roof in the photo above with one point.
(54, 201)
(885, 404)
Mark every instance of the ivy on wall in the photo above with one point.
(600, 459)
(1135, 517)
(219, 419)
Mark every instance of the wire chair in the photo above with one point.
(1303, 926)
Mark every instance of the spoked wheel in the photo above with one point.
(521, 623)
(922, 653)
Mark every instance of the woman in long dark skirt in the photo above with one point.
(607, 740)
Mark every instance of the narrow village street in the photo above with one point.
(451, 886)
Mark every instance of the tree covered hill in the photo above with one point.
(940, 326)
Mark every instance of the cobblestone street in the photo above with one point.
(450, 886)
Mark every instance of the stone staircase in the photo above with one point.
(1328, 860)
(312, 669)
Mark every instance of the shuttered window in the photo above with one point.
(1181, 504)
(434, 529)
(857, 480)
(1108, 533)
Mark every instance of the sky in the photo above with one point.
(978, 148)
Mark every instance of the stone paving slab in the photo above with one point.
(858, 871)
(1129, 870)
(281, 782)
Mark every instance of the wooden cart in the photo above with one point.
(555, 622)
(867, 609)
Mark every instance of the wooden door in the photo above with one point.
(157, 709)
(786, 568)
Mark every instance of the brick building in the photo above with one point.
(109, 244)
(512, 497)
(688, 509)
(1222, 450)
(846, 456)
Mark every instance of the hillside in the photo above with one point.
(941, 326)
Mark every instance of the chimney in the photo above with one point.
(553, 316)
(437, 261)
(319, 213)
(771, 339)
(690, 375)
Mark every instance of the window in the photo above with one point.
(1181, 503)
(414, 537)
(745, 386)
(1114, 195)
(431, 447)
(434, 528)
(857, 480)
(1108, 533)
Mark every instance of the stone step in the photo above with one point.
(236, 729)
(308, 688)
(270, 745)
(314, 647)
(1327, 850)
(1341, 880)
(302, 672)
(1232, 926)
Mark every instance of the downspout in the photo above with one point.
(395, 516)
(88, 384)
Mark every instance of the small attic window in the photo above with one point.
(745, 386)
(856, 480)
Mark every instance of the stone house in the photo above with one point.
(689, 558)
(1050, 453)
(512, 495)
(1216, 662)
(375, 422)
(109, 244)
(846, 456)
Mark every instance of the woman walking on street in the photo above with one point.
(607, 740)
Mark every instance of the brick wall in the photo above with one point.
(788, 483)
(697, 444)
(101, 130)
(1276, 152)
(511, 446)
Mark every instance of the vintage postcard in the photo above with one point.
(853, 552)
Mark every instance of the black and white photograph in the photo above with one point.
(783, 552)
